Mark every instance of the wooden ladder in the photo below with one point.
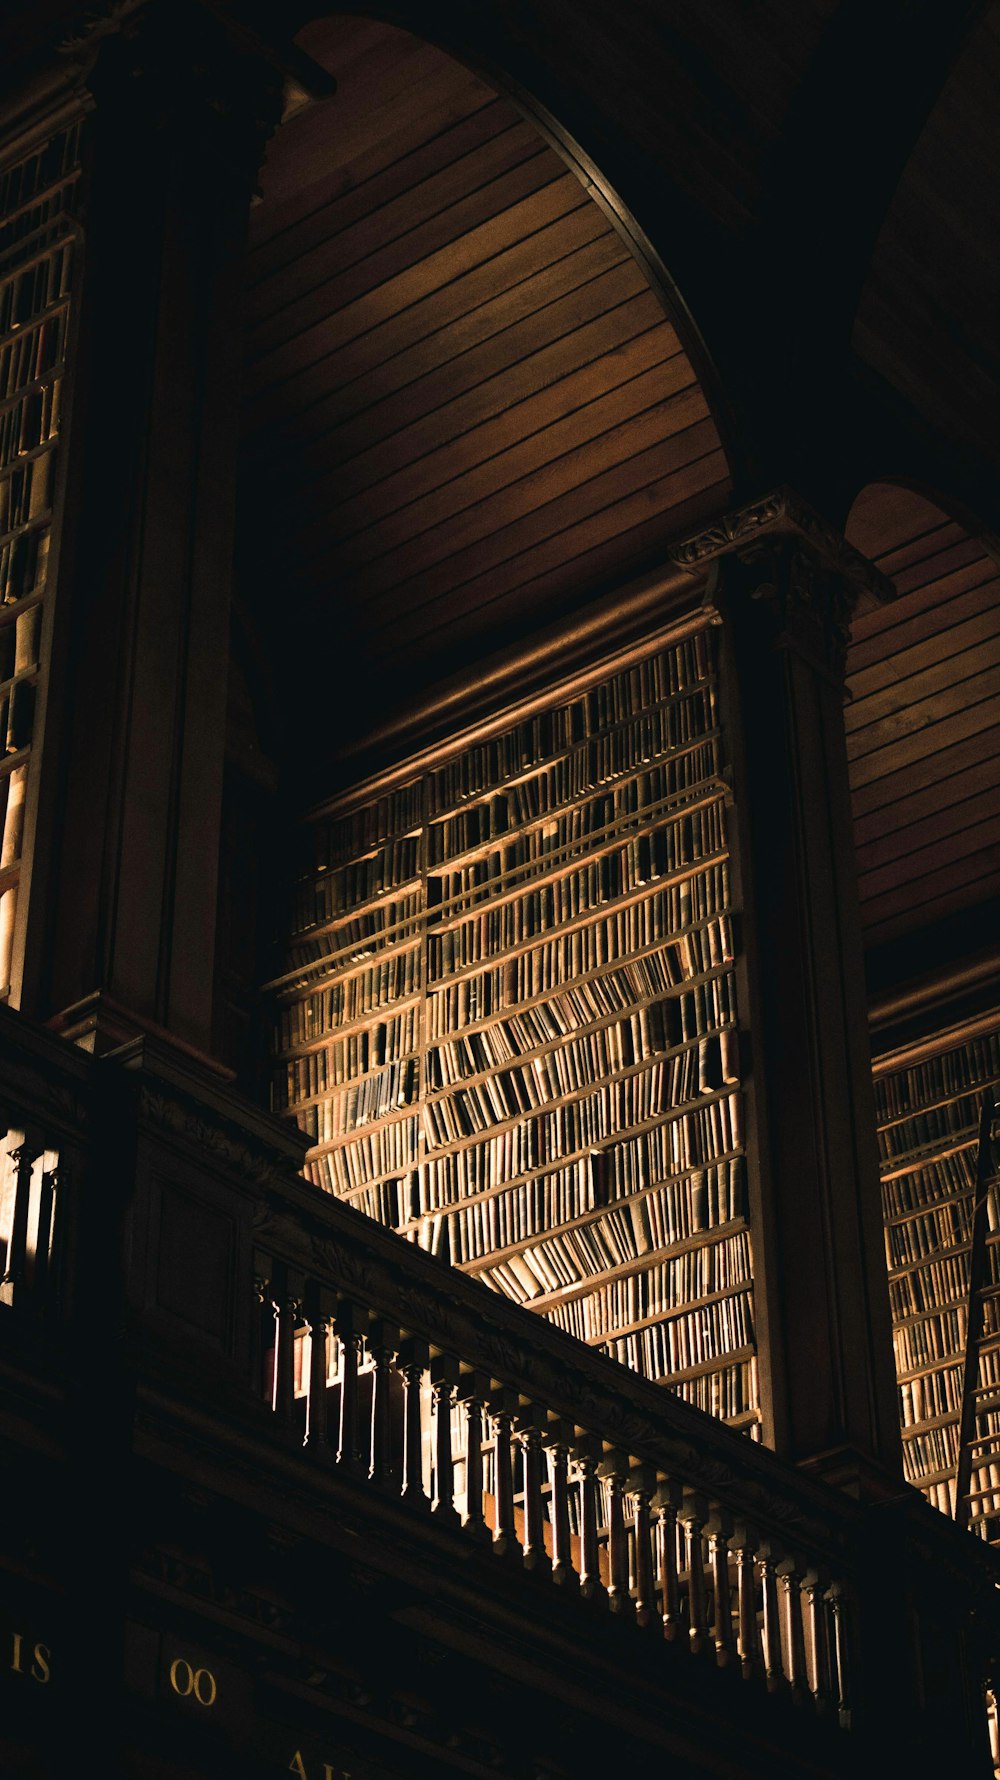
(979, 1401)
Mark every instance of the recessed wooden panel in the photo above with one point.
(923, 728)
(466, 411)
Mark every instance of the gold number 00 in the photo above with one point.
(200, 1682)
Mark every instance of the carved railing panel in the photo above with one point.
(369, 1393)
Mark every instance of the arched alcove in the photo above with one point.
(466, 411)
(923, 730)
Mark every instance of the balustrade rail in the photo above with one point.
(599, 1484)
(136, 1190)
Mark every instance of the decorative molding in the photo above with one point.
(218, 1140)
(783, 513)
(457, 1317)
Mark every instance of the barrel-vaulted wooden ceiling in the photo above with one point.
(467, 410)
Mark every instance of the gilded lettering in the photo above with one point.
(298, 1766)
(40, 1670)
(200, 1682)
(16, 1663)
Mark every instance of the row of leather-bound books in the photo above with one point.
(928, 1114)
(38, 257)
(508, 1022)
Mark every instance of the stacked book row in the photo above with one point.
(707, 1332)
(38, 253)
(928, 1117)
(511, 1032)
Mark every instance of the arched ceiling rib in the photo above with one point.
(467, 412)
(923, 727)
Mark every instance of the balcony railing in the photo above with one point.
(372, 1368)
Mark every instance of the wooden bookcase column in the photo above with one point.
(179, 116)
(823, 1314)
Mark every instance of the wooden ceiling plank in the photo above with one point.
(478, 249)
(971, 720)
(438, 248)
(660, 384)
(343, 387)
(936, 694)
(874, 625)
(578, 225)
(480, 423)
(348, 199)
(598, 304)
(927, 864)
(966, 828)
(969, 880)
(554, 592)
(980, 779)
(618, 516)
(516, 430)
(511, 501)
(881, 654)
(372, 115)
(915, 550)
(968, 814)
(949, 757)
(403, 231)
(949, 659)
(490, 548)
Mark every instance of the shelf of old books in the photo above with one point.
(38, 234)
(928, 1103)
(509, 1023)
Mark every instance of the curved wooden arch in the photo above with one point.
(468, 413)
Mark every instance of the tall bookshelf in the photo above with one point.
(508, 1025)
(38, 240)
(928, 1103)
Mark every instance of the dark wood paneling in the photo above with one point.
(923, 731)
(466, 410)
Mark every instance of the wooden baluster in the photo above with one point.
(317, 1420)
(747, 1641)
(591, 1586)
(694, 1514)
(351, 1324)
(45, 1242)
(530, 1441)
(719, 1528)
(667, 1500)
(505, 1540)
(472, 1392)
(444, 1377)
(773, 1669)
(840, 1652)
(383, 1341)
(261, 1312)
(412, 1363)
(817, 1653)
(793, 1643)
(615, 1469)
(12, 1285)
(642, 1484)
(286, 1316)
(559, 1440)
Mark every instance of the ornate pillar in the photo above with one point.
(821, 1291)
(122, 928)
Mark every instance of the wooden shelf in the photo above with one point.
(645, 773)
